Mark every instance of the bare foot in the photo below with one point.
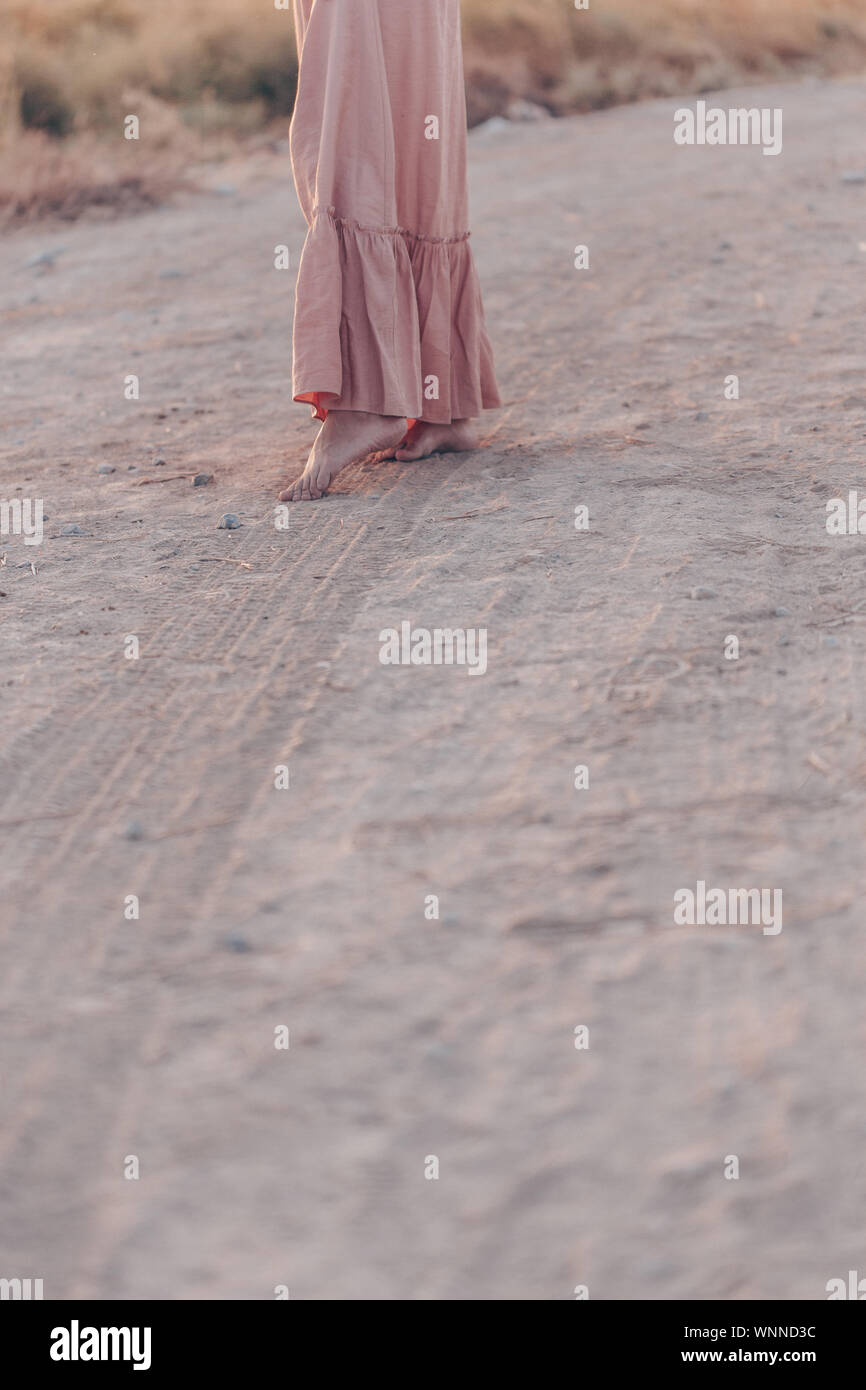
(425, 439)
(346, 436)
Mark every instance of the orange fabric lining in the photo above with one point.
(313, 398)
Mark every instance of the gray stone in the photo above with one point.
(495, 126)
(44, 258)
(71, 530)
(105, 468)
(229, 522)
(134, 830)
(701, 591)
(522, 110)
(202, 479)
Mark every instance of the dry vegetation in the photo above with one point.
(209, 73)
(625, 50)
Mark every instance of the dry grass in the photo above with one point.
(625, 50)
(211, 71)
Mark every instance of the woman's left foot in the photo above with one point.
(347, 436)
(424, 439)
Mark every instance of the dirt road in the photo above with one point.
(305, 908)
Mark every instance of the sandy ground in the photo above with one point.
(305, 908)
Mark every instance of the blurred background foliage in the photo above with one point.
(209, 73)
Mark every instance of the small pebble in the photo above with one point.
(782, 612)
(853, 176)
(44, 258)
(521, 110)
(229, 522)
(238, 944)
(71, 530)
(159, 463)
(702, 415)
(134, 830)
(495, 126)
(202, 479)
(831, 642)
(105, 468)
(702, 592)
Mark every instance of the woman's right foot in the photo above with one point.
(346, 436)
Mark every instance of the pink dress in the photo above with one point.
(388, 313)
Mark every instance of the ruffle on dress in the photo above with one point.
(390, 322)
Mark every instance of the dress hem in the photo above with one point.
(390, 322)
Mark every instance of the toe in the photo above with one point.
(385, 455)
(304, 489)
